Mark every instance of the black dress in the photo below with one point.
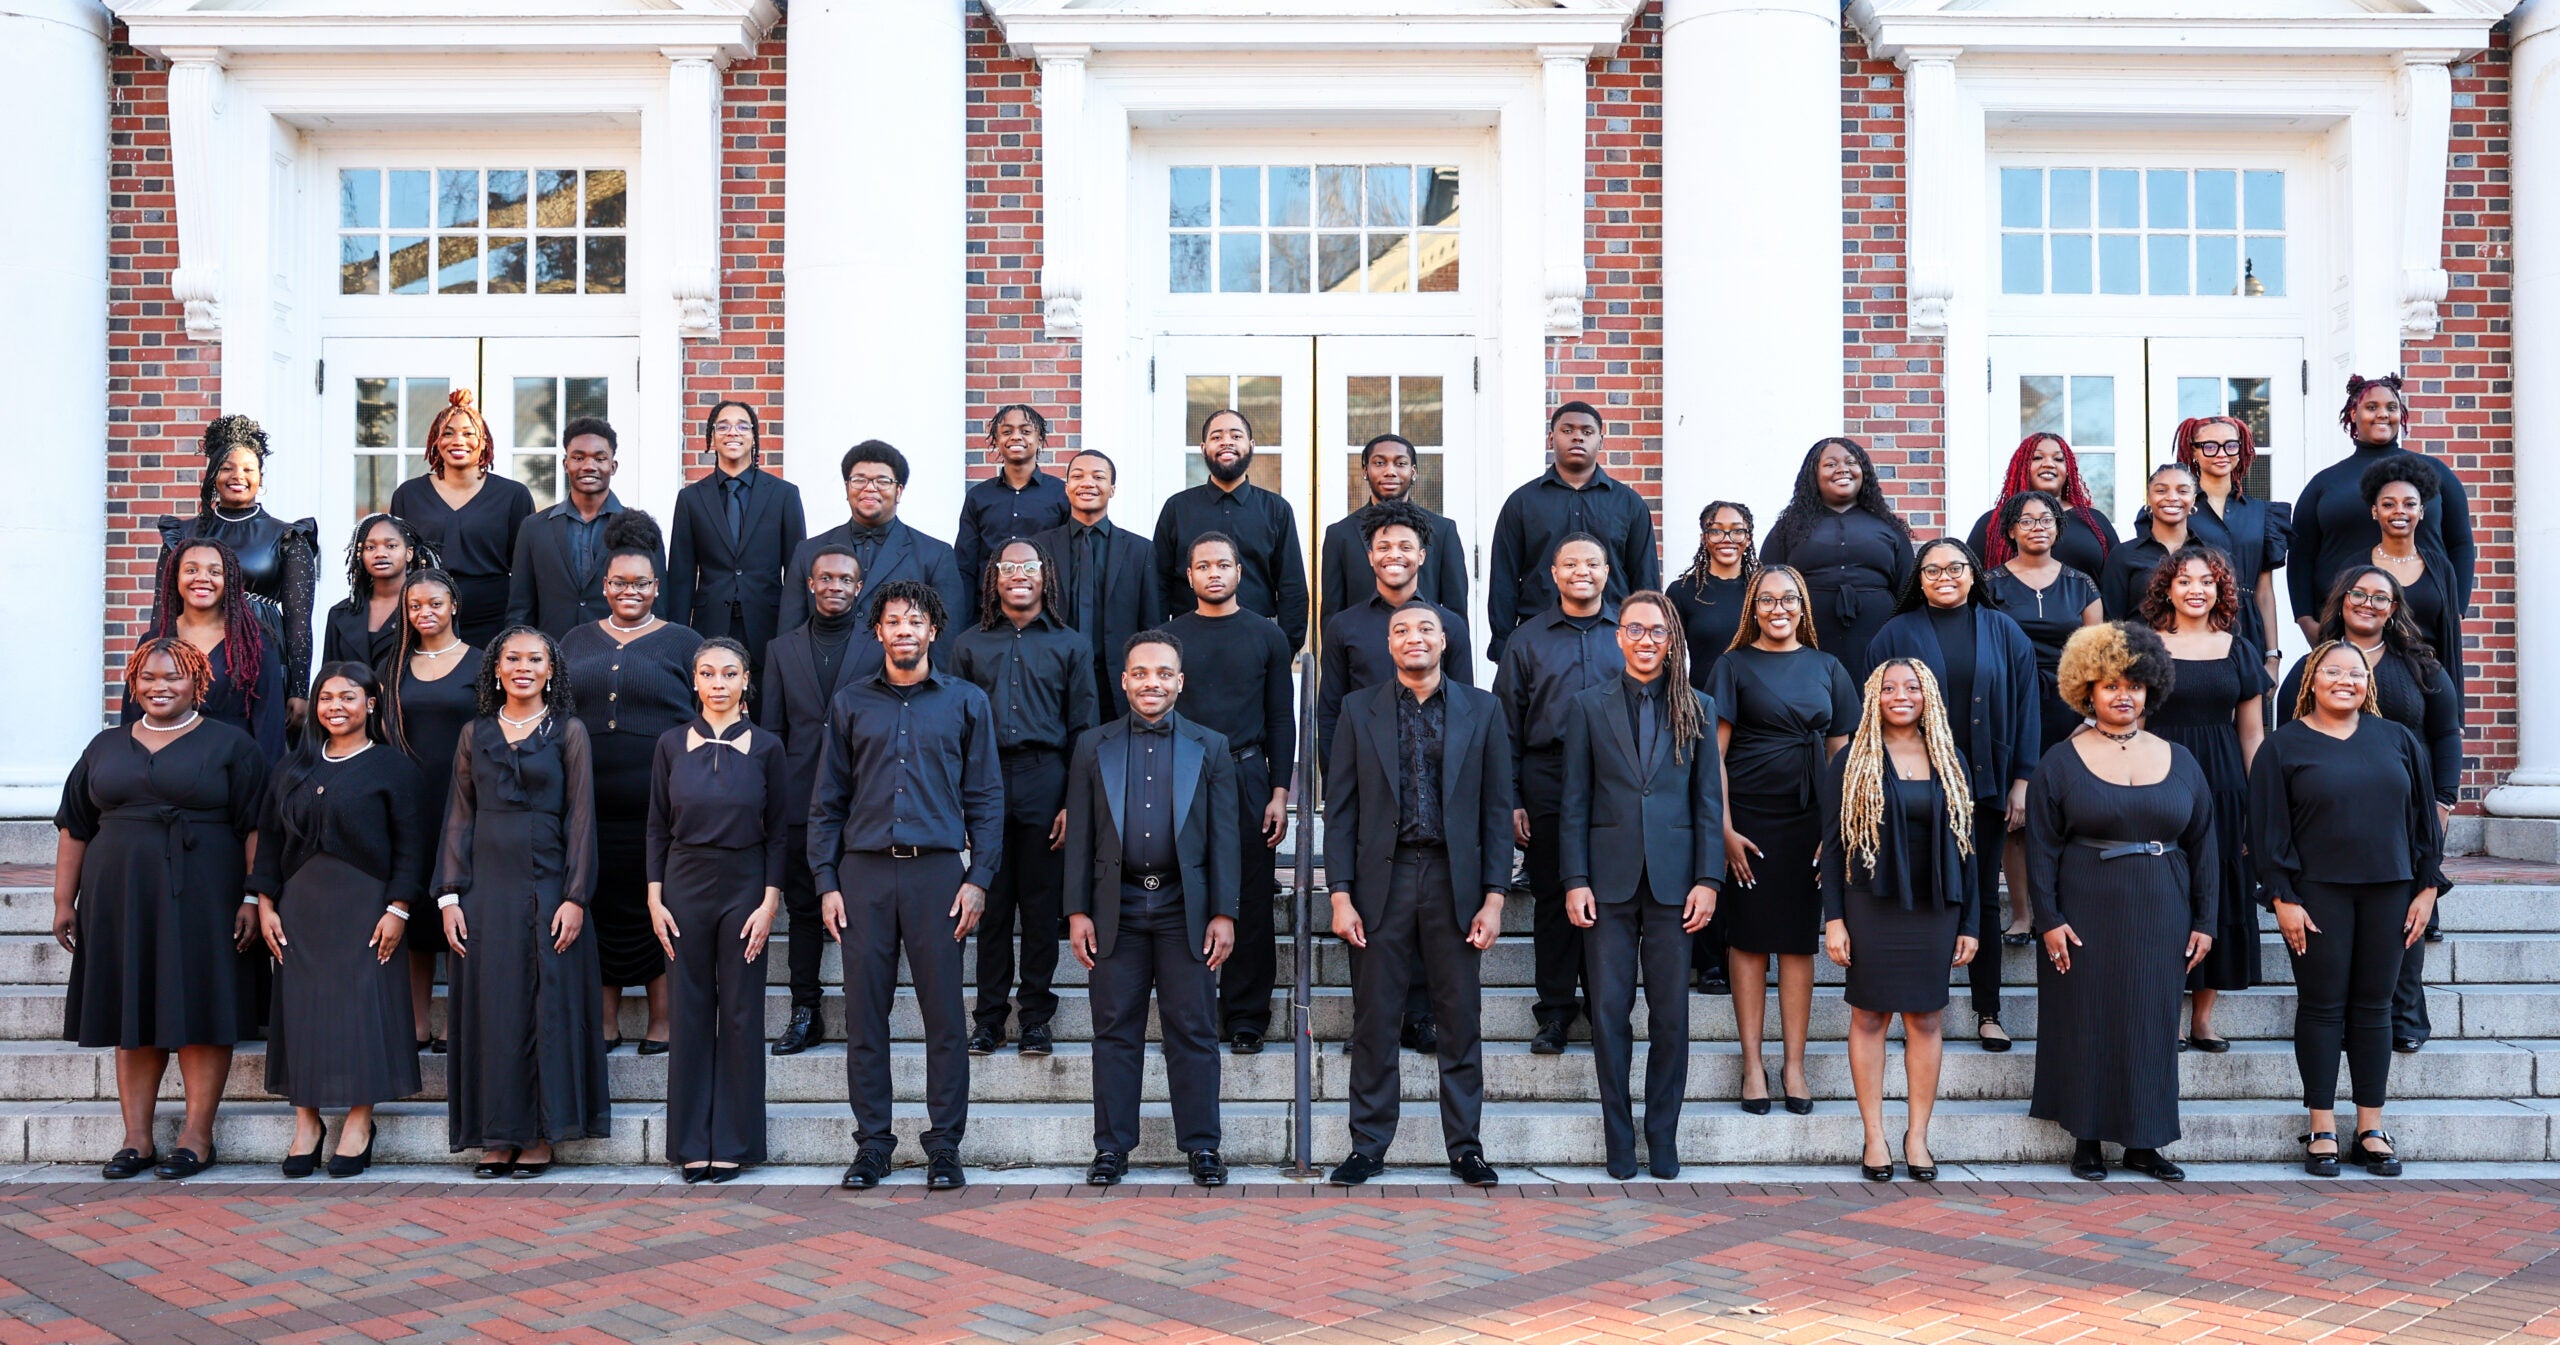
(278, 572)
(2107, 1039)
(2075, 544)
(2256, 537)
(1905, 913)
(1782, 707)
(338, 843)
(2048, 615)
(2201, 714)
(1710, 613)
(430, 717)
(520, 839)
(260, 714)
(628, 695)
(1855, 564)
(160, 885)
(477, 541)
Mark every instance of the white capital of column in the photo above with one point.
(1062, 184)
(693, 109)
(195, 104)
(1930, 93)
(2533, 788)
(2426, 98)
(1568, 110)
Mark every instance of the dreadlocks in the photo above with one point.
(1748, 632)
(2357, 386)
(190, 660)
(2186, 450)
(422, 553)
(2304, 699)
(1688, 715)
(555, 692)
(991, 587)
(244, 637)
(1701, 568)
(1996, 548)
(1862, 786)
(1806, 505)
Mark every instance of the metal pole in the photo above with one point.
(1302, 798)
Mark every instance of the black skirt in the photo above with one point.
(1899, 959)
(627, 951)
(1781, 912)
(340, 1028)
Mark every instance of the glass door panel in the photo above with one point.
(377, 399)
(2088, 390)
(1269, 379)
(1421, 387)
(536, 386)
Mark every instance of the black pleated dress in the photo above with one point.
(2201, 714)
(1905, 913)
(1782, 708)
(628, 695)
(431, 717)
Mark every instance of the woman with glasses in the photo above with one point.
(2083, 534)
(634, 674)
(2253, 535)
(468, 513)
(1783, 708)
(1986, 669)
(1709, 592)
(1853, 550)
(2399, 490)
(2049, 599)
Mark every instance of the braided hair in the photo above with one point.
(242, 633)
(1862, 783)
(711, 422)
(555, 692)
(2357, 386)
(1688, 716)
(1701, 569)
(225, 435)
(991, 589)
(2304, 699)
(422, 553)
(1997, 549)
(394, 722)
(1806, 506)
(2186, 451)
(1747, 632)
(190, 660)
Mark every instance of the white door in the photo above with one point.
(2089, 390)
(1421, 387)
(1271, 379)
(377, 398)
(531, 388)
(2258, 382)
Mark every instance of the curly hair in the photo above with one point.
(1996, 548)
(2098, 654)
(2413, 469)
(1806, 506)
(1400, 513)
(422, 553)
(1688, 715)
(2156, 605)
(2401, 637)
(914, 593)
(1915, 596)
(2186, 450)
(991, 588)
(1747, 632)
(1701, 567)
(459, 404)
(2304, 698)
(556, 698)
(244, 637)
(2358, 385)
(1862, 783)
(224, 435)
(190, 660)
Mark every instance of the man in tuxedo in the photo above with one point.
(1151, 905)
(1640, 757)
(556, 580)
(1106, 573)
(1389, 467)
(875, 476)
(734, 530)
(1417, 850)
(1020, 500)
(806, 665)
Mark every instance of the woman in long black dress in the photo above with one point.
(1898, 896)
(468, 513)
(364, 626)
(2214, 711)
(345, 855)
(1853, 550)
(1987, 670)
(2333, 522)
(1783, 707)
(2050, 601)
(1710, 598)
(431, 688)
(719, 841)
(513, 876)
(157, 821)
(2399, 490)
(2123, 871)
(637, 671)
(2254, 535)
(275, 563)
(2342, 819)
(200, 602)
(2083, 535)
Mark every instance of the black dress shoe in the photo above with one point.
(1247, 1042)
(183, 1163)
(2088, 1161)
(1422, 1036)
(1356, 1169)
(1036, 1041)
(1622, 1169)
(1663, 1169)
(2320, 1164)
(1472, 1170)
(1876, 1172)
(436, 1046)
(2150, 1163)
(942, 1171)
(2376, 1162)
(724, 1173)
(802, 1033)
(2017, 938)
(1713, 982)
(1920, 1172)
(524, 1172)
(866, 1170)
(354, 1165)
(130, 1163)
(1549, 1040)
(648, 1047)
(700, 1172)
(487, 1168)
(2211, 1045)
(984, 1041)
(1756, 1106)
(1800, 1106)
(1107, 1169)
(2434, 933)
(2408, 1045)
(1207, 1169)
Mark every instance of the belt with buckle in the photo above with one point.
(906, 852)
(2126, 849)
(1154, 881)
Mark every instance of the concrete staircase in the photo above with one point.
(2487, 1089)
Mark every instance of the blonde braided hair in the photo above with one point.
(2304, 698)
(1862, 787)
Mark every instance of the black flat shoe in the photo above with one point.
(724, 1173)
(612, 1044)
(1207, 1169)
(437, 1046)
(298, 1166)
(1247, 1042)
(1994, 1045)
(354, 1165)
(697, 1173)
(1756, 1106)
(2150, 1163)
(648, 1047)
(1036, 1041)
(487, 1168)
(2319, 1164)
(128, 1164)
(801, 1033)
(1356, 1169)
(1474, 1171)
(183, 1163)
(2017, 938)
(2088, 1162)
(1800, 1106)
(2375, 1162)
(866, 1170)
(2210, 1045)
(942, 1171)
(1107, 1169)
(524, 1171)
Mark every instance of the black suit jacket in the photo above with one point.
(795, 703)
(1130, 602)
(1668, 826)
(1347, 578)
(1362, 782)
(707, 574)
(542, 583)
(1204, 823)
(904, 554)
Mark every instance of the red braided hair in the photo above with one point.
(190, 660)
(458, 403)
(1996, 549)
(2186, 449)
(242, 633)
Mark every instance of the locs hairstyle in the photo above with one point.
(755, 429)
(422, 553)
(1862, 783)
(1701, 566)
(2358, 385)
(190, 660)
(1996, 549)
(2186, 452)
(244, 637)
(991, 586)
(1688, 714)
(916, 594)
(1039, 422)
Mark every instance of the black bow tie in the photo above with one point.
(871, 536)
(1162, 728)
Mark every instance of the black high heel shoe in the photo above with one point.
(1920, 1172)
(303, 1165)
(354, 1165)
(2376, 1162)
(1876, 1172)
(495, 1167)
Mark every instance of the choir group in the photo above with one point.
(570, 752)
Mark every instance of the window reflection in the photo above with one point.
(454, 231)
(1312, 228)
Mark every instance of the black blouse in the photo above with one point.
(279, 572)
(2426, 707)
(2074, 544)
(724, 791)
(1847, 550)
(1711, 613)
(366, 810)
(477, 541)
(1917, 854)
(2343, 810)
(2048, 615)
(1782, 707)
(644, 687)
(259, 714)
(212, 769)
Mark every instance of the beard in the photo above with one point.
(1229, 475)
(908, 662)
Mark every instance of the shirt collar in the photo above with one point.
(566, 509)
(1405, 693)
(745, 480)
(934, 678)
(1047, 620)
(1037, 481)
(1100, 526)
(1162, 728)
(1649, 690)
(1600, 479)
(699, 733)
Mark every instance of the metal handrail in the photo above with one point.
(1303, 799)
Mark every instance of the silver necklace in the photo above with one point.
(423, 652)
(512, 722)
(254, 511)
(324, 753)
(192, 716)
(645, 624)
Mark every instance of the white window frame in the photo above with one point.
(1424, 304)
(468, 156)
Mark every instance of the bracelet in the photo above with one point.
(395, 910)
(249, 900)
(448, 901)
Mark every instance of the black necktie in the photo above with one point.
(734, 492)
(1646, 727)
(1088, 585)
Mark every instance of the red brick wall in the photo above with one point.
(1616, 363)
(1009, 359)
(1893, 386)
(746, 362)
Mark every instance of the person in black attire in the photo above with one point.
(2333, 522)
(1710, 598)
(1852, 548)
(2365, 610)
(1263, 525)
(2049, 600)
(1106, 573)
(149, 867)
(734, 530)
(364, 626)
(468, 513)
(1020, 500)
(1244, 695)
(719, 838)
(278, 562)
(875, 477)
(1575, 494)
(342, 868)
(1038, 676)
(198, 597)
(1418, 852)
(1355, 638)
(1388, 468)
(2254, 535)
(556, 582)
(1562, 652)
(908, 780)
(1150, 898)
(807, 666)
(2082, 535)
(2342, 822)
(2398, 489)
(430, 691)
(2162, 531)
(1643, 855)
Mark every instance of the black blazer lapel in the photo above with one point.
(1188, 755)
(1111, 757)
(890, 562)
(761, 502)
(1381, 728)
(1613, 709)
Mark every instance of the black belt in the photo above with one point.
(1243, 753)
(2126, 849)
(908, 851)
(1152, 880)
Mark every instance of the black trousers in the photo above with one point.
(1025, 893)
(1153, 953)
(715, 1008)
(1246, 981)
(892, 905)
(1639, 935)
(2343, 982)
(2409, 999)
(1990, 833)
(1558, 941)
(1415, 921)
(808, 940)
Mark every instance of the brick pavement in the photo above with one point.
(2421, 1262)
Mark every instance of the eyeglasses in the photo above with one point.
(1017, 569)
(629, 585)
(1728, 534)
(1778, 602)
(2365, 597)
(732, 427)
(1955, 569)
(2218, 448)
(867, 482)
(1646, 634)
(2035, 523)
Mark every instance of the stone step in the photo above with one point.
(1258, 1133)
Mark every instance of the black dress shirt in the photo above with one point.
(1549, 661)
(1422, 733)
(908, 766)
(1344, 576)
(1274, 581)
(1538, 517)
(1355, 656)
(1646, 718)
(1147, 842)
(1236, 683)
(1038, 678)
(994, 513)
(729, 793)
(2127, 576)
(586, 541)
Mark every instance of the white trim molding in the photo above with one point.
(1341, 26)
(2426, 112)
(195, 105)
(2183, 28)
(1935, 155)
(353, 27)
(1062, 74)
(1566, 86)
(693, 132)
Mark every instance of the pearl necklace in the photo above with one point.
(513, 722)
(324, 753)
(645, 624)
(254, 511)
(192, 716)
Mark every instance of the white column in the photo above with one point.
(1061, 185)
(53, 521)
(1750, 252)
(874, 248)
(1929, 83)
(693, 142)
(195, 103)
(2426, 97)
(1567, 96)
(2533, 788)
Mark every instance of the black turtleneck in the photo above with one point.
(828, 636)
(2333, 528)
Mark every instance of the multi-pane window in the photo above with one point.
(1406, 404)
(543, 406)
(2082, 409)
(1258, 396)
(392, 416)
(483, 230)
(1313, 229)
(2157, 231)
(2247, 400)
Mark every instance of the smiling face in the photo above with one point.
(872, 492)
(524, 669)
(719, 681)
(2117, 703)
(1575, 440)
(2047, 468)
(1395, 556)
(2341, 683)
(2377, 415)
(1778, 605)
(1415, 640)
(1018, 580)
(2367, 606)
(834, 582)
(630, 588)
(1228, 446)
(1898, 696)
(1388, 468)
(733, 438)
(2193, 592)
(385, 552)
(236, 481)
(1837, 476)
(1015, 438)
(430, 610)
(2171, 495)
(1645, 633)
(2399, 509)
(200, 580)
(1727, 538)
(589, 462)
(2034, 531)
(163, 689)
(342, 709)
(1580, 571)
(1152, 679)
(905, 632)
(1090, 485)
(457, 445)
(1946, 577)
